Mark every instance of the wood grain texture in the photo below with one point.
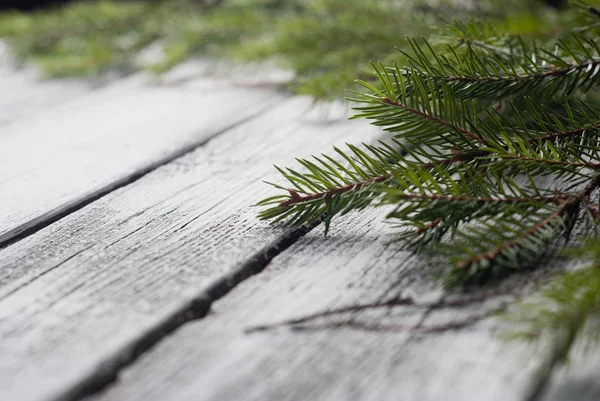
(80, 149)
(374, 354)
(80, 297)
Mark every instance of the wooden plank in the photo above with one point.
(23, 94)
(84, 296)
(378, 354)
(81, 149)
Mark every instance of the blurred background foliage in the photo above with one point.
(327, 43)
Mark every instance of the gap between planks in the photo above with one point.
(51, 217)
(197, 308)
(81, 298)
(374, 355)
(89, 146)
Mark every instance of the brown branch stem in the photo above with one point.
(594, 166)
(467, 156)
(555, 72)
(437, 120)
(429, 226)
(564, 134)
(297, 198)
(564, 208)
(477, 199)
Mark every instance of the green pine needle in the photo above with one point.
(477, 169)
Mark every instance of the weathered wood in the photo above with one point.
(22, 96)
(83, 296)
(75, 152)
(378, 354)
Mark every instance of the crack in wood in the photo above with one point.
(197, 308)
(14, 290)
(104, 368)
(45, 220)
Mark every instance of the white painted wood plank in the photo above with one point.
(81, 296)
(379, 357)
(23, 93)
(84, 147)
(22, 96)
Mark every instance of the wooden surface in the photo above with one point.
(378, 354)
(90, 145)
(131, 265)
(22, 93)
(114, 273)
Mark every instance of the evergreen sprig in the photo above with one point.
(494, 160)
(494, 155)
(479, 72)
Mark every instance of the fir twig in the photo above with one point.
(454, 168)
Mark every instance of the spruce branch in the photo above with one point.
(511, 157)
(486, 71)
(566, 206)
(566, 134)
(434, 119)
(494, 160)
(331, 187)
(477, 200)
(477, 169)
(328, 195)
